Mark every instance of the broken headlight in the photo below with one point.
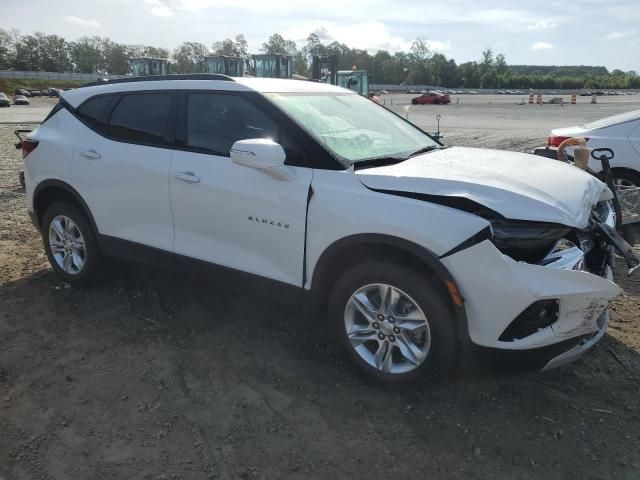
(526, 241)
(564, 255)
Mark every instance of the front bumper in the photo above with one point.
(574, 353)
(497, 289)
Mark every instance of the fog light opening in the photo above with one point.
(535, 317)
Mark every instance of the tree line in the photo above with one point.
(418, 66)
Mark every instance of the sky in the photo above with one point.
(567, 32)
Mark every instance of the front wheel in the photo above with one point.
(393, 323)
(70, 244)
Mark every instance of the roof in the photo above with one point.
(236, 84)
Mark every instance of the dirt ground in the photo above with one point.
(158, 375)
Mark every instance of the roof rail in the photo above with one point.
(157, 78)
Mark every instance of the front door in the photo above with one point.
(229, 214)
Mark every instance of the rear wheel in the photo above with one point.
(70, 244)
(414, 101)
(393, 323)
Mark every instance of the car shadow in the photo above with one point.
(233, 356)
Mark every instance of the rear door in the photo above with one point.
(229, 214)
(121, 166)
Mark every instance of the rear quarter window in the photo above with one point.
(141, 118)
(93, 112)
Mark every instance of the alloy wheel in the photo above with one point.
(67, 244)
(387, 328)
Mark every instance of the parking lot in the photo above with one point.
(157, 375)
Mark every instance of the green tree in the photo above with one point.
(420, 50)
(6, 49)
(86, 55)
(188, 57)
(116, 57)
(300, 65)
(486, 61)
(277, 44)
(237, 47)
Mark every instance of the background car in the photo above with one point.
(4, 100)
(431, 98)
(35, 93)
(22, 91)
(20, 100)
(620, 133)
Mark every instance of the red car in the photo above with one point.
(431, 98)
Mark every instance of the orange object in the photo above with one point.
(453, 291)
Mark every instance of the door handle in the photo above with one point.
(188, 177)
(90, 154)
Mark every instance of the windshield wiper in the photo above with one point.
(378, 162)
(423, 150)
(382, 161)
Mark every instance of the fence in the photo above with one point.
(523, 91)
(23, 74)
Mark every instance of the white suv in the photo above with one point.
(413, 250)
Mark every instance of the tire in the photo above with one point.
(414, 101)
(629, 181)
(84, 262)
(437, 343)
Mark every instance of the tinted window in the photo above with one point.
(141, 118)
(216, 121)
(92, 111)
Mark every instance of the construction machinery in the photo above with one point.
(273, 65)
(325, 69)
(223, 64)
(144, 66)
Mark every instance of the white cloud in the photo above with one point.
(617, 35)
(542, 46)
(85, 22)
(159, 8)
(542, 25)
(370, 35)
(439, 46)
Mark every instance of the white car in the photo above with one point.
(410, 249)
(621, 133)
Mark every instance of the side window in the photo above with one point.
(141, 118)
(92, 112)
(216, 121)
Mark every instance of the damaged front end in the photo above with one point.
(534, 285)
(552, 245)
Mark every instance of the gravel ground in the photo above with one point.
(155, 375)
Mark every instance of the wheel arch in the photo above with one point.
(353, 249)
(49, 191)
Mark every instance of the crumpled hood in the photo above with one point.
(518, 186)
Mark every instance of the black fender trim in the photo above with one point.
(68, 189)
(323, 265)
(484, 234)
